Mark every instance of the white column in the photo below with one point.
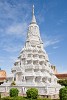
(33, 79)
(16, 77)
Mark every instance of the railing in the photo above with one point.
(29, 66)
(36, 66)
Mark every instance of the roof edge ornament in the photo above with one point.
(33, 16)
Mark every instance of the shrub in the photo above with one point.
(63, 93)
(32, 93)
(14, 92)
(63, 82)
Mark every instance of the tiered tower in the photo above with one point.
(32, 68)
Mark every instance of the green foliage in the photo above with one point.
(13, 83)
(23, 98)
(43, 99)
(63, 82)
(13, 98)
(37, 99)
(14, 92)
(63, 93)
(18, 98)
(32, 93)
(7, 98)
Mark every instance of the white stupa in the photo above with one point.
(32, 68)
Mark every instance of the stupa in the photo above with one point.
(32, 68)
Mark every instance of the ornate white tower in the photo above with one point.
(32, 68)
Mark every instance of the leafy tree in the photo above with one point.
(63, 93)
(63, 82)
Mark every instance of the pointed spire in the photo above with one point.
(33, 10)
(33, 16)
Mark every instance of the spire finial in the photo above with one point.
(33, 10)
(33, 16)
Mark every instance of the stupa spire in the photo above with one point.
(33, 16)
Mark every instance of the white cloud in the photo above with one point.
(51, 42)
(9, 10)
(61, 21)
(12, 58)
(50, 53)
(1, 61)
(7, 62)
(12, 48)
(17, 29)
(55, 47)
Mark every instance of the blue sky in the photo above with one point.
(51, 16)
